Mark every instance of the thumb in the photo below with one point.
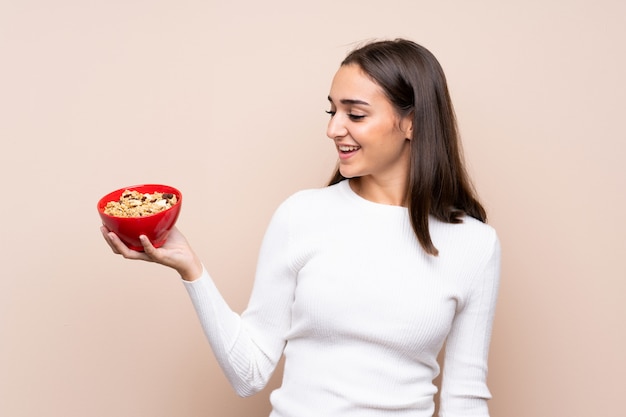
(148, 248)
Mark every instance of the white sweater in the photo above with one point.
(345, 292)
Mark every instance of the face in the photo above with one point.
(371, 140)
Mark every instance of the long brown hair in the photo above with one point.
(415, 83)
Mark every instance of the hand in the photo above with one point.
(175, 253)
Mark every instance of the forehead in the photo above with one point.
(351, 83)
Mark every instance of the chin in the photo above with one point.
(348, 173)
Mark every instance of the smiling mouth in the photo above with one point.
(348, 149)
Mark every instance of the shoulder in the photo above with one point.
(469, 230)
(471, 239)
(469, 251)
(312, 209)
(313, 198)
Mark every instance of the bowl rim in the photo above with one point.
(102, 203)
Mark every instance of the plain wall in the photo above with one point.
(225, 100)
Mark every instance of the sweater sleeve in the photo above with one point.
(464, 391)
(249, 346)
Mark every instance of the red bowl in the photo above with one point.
(155, 226)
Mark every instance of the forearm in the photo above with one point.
(464, 384)
(243, 362)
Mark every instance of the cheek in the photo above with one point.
(395, 145)
(370, 135)
(388, 138)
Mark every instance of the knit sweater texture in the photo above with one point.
(345, 292)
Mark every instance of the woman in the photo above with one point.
(360, 283)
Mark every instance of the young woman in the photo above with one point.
(361, 282)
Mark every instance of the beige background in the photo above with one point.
(226, 100)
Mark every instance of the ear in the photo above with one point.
(406, 124)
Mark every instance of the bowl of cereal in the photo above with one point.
(148, 209)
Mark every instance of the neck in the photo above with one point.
(391, 192)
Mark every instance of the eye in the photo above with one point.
(331, 112)
(355, 117)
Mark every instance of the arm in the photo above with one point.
(464, 389)
(248, 347)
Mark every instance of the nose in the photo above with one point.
(336, 128)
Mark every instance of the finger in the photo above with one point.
(148, 248)
(107, 238)
(124, 250)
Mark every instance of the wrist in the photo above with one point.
(191, 272)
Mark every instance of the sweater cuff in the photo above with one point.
(202, 274)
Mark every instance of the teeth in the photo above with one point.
(348, 148)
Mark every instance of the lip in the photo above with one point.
(347, 155)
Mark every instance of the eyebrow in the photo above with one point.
(350, 101)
